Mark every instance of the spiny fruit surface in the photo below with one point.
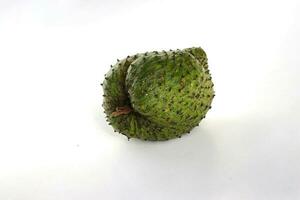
(158, 95)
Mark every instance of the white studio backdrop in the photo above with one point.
(56, 144)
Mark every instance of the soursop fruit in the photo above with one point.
(158, 95)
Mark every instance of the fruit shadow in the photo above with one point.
(195, 153)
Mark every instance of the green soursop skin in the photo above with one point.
(158, 95)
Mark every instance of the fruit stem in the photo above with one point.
(124, 110)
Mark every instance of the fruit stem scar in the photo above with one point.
(124, 110)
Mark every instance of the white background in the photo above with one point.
(55, 143)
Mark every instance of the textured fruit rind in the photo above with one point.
(168, 93)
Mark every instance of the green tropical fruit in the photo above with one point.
(158, 95)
